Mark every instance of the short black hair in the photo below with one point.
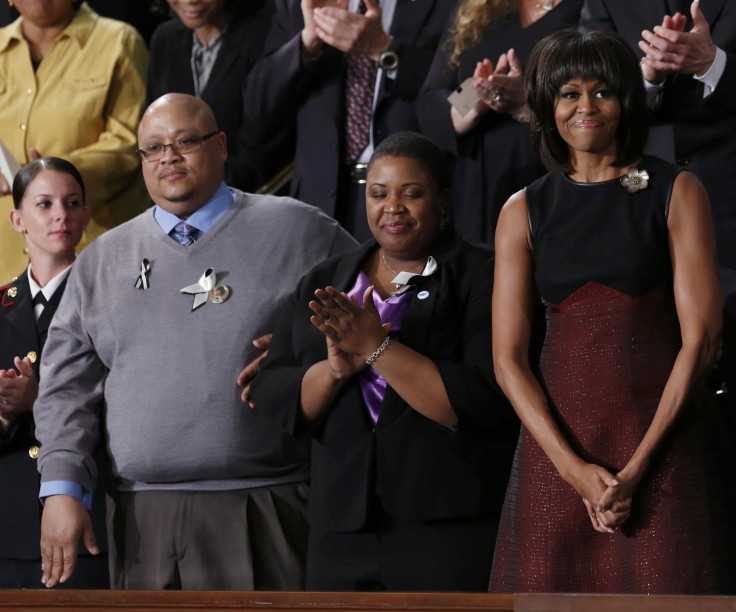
(30, 171)
(420, 148)
(596, 54)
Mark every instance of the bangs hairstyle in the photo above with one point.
(597, 54)
(31, 170)
(416, 146)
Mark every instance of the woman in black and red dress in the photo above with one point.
(619, 480)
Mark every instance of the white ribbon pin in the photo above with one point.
(142, 281)
(202, 287)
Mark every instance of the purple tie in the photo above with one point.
(184, 233)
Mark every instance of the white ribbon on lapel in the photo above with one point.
(202, 287)
(142, 281)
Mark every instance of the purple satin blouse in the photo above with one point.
(372, 384)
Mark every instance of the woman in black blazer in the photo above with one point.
(410, 455)
(50, 212)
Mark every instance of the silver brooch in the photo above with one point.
(635, 179)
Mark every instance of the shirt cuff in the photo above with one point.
(653, 92)
(65, 487)
(713, 75)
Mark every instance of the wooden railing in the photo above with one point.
(140, 601)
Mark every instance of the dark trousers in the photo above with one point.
(400, 555)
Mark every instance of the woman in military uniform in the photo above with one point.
(50, 213)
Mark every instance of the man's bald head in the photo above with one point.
(186, 104)
(181, 183)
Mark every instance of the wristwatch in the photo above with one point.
(389, 59)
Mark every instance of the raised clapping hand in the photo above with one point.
(670, 49)
(352, 332)
(311, 42)
(18, 391)
(502, 88)
(330, 22)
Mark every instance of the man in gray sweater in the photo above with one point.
(144, 355)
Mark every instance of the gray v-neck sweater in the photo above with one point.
(161, 377)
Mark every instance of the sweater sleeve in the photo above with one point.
(68, 408)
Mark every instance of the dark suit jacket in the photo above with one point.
(284, 90)
(420, 469)
(20, 509)
(704, 129)
(170, 70)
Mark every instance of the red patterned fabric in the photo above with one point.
(605, 361)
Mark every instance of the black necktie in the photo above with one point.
(40, 298)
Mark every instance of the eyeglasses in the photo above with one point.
(154, 152)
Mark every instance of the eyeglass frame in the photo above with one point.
(197, 140)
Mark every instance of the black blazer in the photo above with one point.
(703, 128)
(420, 470)
(170, 71)
(20, 509)
(284, 91)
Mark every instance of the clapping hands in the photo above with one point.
(668, 48)
(501, 88)
(352, 332)
(331, 23)
(18, 391)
